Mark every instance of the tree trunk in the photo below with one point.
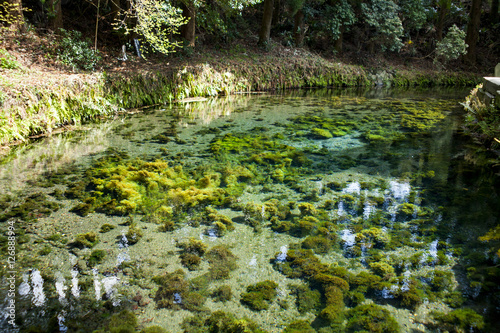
(444, 6)
(298, 29)
(473, 31)
(188, 29)
(55, 14)
(265, 30)
(494, 12)
(338, 42)
(16, 19)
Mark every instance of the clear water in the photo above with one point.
(377, 182)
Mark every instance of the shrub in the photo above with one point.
(451, 47)
(75, 52)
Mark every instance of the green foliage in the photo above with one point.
(451, 47)
(482, 121)
(156, 22)
(76, 52)
(341, 15)
(382, 16)
(9, 15)
(413, 13)
(371, 318)
(299, 326)
(7, 61)
(460, 320)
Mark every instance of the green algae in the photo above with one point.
(89, 239)
(371, 318)
(259, 296)
(223, 293)
(219, 321)
(460, 320)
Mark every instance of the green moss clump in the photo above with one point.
(96, 257)
(460, 320)
(327, 280)
(134, 234)
(45, 250)
(440, 280)
(34, 206)
(219, 321)
(383, 269)
(364, 281)
(154, 329)
(219, 222)
(106, 227)
(317, 243)
(454, 299)
(193, 246)
(300, 263)
(371, 318)
(190, 260)
(89, 239)
(82, 209)
(413, 293)
(307, 209)
(222, 294)
(222, 262)
(373, 238)
(299, 326)
(172, 289)
(259, 296)
(333, 312)
(307, 300)
(320, 133)
(122, 322)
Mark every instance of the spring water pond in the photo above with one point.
(319, 210)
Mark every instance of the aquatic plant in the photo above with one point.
(154, 329)
(259, 296)
(299, 326)
(307, 300)
(174, 292)
(34, 206)
(222, 294)
(96, 257)
(319, 244)
(124, 321)
(134, 233)
(89, 239)
(106, 227)
(219, 321)
(222, 262)
(460, 320)
(371, 318)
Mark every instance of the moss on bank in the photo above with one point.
(29, 111)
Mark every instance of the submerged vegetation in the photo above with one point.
(329, 218)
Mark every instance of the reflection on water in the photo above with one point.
(199, 208)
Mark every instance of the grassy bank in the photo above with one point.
(31, 109)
